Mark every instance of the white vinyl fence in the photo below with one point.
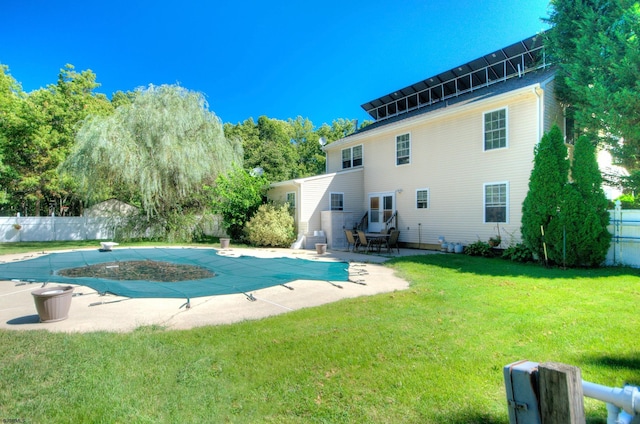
(58, 228)
(53, 228)
(624, 227)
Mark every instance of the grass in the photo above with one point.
(431, 354)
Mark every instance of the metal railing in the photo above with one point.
(515, 66)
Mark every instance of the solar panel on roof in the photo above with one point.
(513, 60)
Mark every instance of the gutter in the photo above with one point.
(455, 108)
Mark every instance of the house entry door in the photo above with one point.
(381, 208)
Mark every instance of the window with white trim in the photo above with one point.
(352, 157)
(337, 201)
(291, 199)
(495, 129)
(422, 198)
(496, 201)
(403, 149)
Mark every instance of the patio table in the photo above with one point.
(377, 239)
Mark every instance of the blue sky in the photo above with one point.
(316, 59)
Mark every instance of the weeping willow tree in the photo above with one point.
(162, 150)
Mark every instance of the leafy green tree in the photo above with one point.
(595, 45)
(546, 187)
(164, 149)
(286, 150)
(338, 129)
(11, 99)
(236, 197)
(311, 159)
(267, 145)
(41, 134)
(120, 98)
(276, 154)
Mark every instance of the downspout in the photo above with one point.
(539, 113)
(300, 237)
(298, 184)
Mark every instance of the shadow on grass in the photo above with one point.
(502, 267)
(627, 361)
(471, 416)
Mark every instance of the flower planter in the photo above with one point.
(321, 248)
(224, 243)
(107, 245)
(53, 303)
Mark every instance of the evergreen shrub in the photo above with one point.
(518, 253)
(479, 248)
(271, 226)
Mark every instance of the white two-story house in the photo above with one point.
(449, 156)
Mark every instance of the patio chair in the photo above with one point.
(392, 241)
(362, 238)
(352, 241)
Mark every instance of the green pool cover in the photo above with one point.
(230, 274)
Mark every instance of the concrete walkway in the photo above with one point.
(92, 312)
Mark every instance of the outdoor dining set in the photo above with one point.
(370, 242)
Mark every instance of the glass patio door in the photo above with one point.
(381, 208)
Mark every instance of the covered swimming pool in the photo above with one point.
(151, 272)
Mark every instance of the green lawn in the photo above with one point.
(431, 354)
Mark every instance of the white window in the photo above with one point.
(357, 156)
(495, 129)
(496, 201)
(352, 157)
(403, 149)
(291, 199)
(422, 198)
(337, 201)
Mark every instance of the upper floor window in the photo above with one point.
(337, 201)
(403, 149)
(496, 196)
(422, 198)
(352, 157)
(495, 129)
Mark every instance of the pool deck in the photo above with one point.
(91, 312)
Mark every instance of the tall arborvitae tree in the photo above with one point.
(584, 211)
(540, 207)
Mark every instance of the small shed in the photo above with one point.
(110, 208)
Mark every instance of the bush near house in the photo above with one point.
(518, 253)
(237, 196)
(479, 248)
(271, 226)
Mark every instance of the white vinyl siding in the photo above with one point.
(448, 159)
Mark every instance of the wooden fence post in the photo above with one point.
(561, 396)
